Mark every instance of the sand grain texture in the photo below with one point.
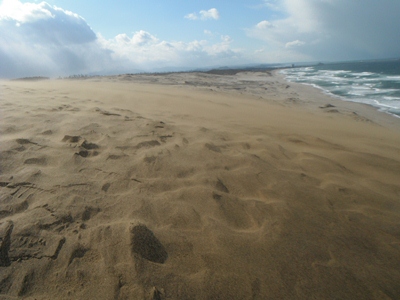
(195, 186)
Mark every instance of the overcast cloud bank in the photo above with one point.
(313, 30)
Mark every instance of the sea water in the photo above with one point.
(376, 83)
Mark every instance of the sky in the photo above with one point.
(67, 37)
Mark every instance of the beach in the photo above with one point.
(195, 186)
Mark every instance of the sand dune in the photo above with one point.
(195, 186)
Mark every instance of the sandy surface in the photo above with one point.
(195, 186)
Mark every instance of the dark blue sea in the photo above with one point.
(376, 83)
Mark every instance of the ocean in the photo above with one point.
(376, 83)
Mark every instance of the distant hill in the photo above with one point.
(34, 78)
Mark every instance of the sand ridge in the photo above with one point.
(195, 186)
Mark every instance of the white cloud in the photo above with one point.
(44, 23)
(273, 4)
(27, 12)
(211, 14)
(40, 39)
(142, 38)
(265, 25)
(226, 39)
(43, 39)
(295, 43)
(192, 16)
(151, 52)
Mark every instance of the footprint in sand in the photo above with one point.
(220, 186)
(145, 244)
(85, 146)
(164, 138)
(5, 231)
(105, 187)
(213, 148)
(148, 144)
(150, 159)
(85, 153)
(24, 142)
(89, 146)
(71, 138)
(89, 212)
(21, 241)
(78, 252)
(42, 161)
(47, 132)
(107, 113)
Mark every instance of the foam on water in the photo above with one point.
(374, 83)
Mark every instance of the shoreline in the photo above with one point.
(379, 106)
(196, 186)
(359, 107)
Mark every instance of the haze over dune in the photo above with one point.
(195, 186)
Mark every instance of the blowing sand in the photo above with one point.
(195, 186)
